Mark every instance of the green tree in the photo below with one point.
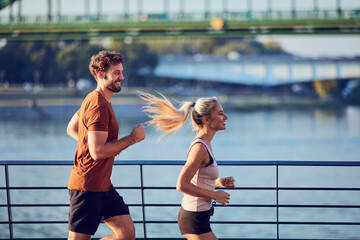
(75, 57)
(17, 65)
(84, 54)
(67, 61)
(180, 46)
(139, 61)
(273, 47)
(42, 55)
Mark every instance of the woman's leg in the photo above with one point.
(204, 236)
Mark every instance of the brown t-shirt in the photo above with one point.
(95, 114)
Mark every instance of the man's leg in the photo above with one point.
(122, 227)
(78, 236)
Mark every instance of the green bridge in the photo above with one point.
(226, 21)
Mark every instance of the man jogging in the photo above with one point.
(94, 126)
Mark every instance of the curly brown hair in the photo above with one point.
(103, 60)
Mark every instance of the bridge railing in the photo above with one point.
(10, 171)
(182, 17)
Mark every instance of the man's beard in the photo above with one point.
(113, 88)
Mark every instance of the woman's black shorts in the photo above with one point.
(194, 222)
(87, 209)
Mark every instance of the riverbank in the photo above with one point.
(19, 97)
(284, 103)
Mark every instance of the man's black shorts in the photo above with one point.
(87, 209)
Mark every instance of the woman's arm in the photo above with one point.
(197, 158)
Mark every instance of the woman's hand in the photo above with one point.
(222, 197)
(228, 182)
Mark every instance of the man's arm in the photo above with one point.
(99, 148)
(73, 127)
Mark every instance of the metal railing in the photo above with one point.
(277, 165)
(186, 17)
(212, 24)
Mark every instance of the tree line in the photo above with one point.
(56, 62)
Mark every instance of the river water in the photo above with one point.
(310, 134)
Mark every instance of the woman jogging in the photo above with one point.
(199, 176)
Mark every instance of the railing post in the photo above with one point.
(126, 9)
(249, 9)
(8, 201)
(277, 202)
(49, 13)
(140, 9)
(338, 8)
(11, 17)
(293, 8)
(142, 199)
(316, 8)
(58, 9)
(99, 10)
(19, 16)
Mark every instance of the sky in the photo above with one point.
(302, 45)
(318, 46)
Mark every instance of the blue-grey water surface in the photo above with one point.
(291, 134)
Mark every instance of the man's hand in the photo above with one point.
(138, 133)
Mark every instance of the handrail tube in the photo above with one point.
(176, 162)
(178, 238)
(178, 205)
(214, 222)
(169, 188)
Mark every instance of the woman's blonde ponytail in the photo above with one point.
(164, 116)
